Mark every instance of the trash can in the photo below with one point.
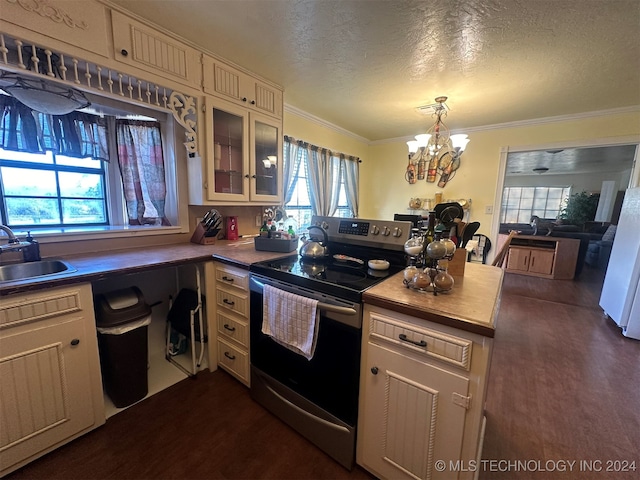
(122, 319)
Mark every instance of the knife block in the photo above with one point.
(199, 236)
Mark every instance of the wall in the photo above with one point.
(385, 192)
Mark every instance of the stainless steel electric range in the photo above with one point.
(319, 397)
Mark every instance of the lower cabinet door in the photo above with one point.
(412, 420)
(541, 262)
(45, 391)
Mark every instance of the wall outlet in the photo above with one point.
(258, 220)
(488, 209)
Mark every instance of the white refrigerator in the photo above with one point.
(620, 297)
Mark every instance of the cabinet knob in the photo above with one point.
(374, 370)
(75, 342)
(254, 176)
(244, 99)
(124, 52)
(247, 176)
(253, 102)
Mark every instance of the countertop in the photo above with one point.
(471, 305)
(95, 266)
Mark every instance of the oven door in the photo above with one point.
(317, 397)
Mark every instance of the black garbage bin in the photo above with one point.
(122, 319)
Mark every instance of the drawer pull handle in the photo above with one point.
(227, 279)
(228, 302)
(231, 329)
(229, 356)
(404, 338)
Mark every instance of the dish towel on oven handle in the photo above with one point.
(291, 320)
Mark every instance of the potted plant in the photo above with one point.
(579, 208)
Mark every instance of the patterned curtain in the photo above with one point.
(142, 168)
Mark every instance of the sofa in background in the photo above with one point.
(599, 251)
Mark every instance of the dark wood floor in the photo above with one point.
(564, 385)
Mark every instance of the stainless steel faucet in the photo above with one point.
(14, 243)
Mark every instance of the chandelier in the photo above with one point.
(435, 152)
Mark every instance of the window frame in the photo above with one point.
(116, 207)
(532, 210)
(297, 211)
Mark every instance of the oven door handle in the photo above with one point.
(336, 309)
(324, 306)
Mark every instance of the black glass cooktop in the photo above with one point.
(335, 275)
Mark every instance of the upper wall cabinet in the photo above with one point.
(147, 49)
(67, 25)
(232, 84)
(244, 155)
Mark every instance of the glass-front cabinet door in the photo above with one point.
(266, 162)
(244, 154)
(227, 151)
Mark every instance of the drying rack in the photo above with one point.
(188, 328)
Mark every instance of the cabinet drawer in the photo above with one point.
(234, 360)
(235, 303)
(35, 307)
(447, 348)
(232, 277)
(234, 329)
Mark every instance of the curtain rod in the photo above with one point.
(304, 144)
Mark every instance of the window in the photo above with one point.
(52, 190)
(120, 182)
(519, 204)
(299, 191)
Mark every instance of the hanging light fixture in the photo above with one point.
(43, 96)
(435, 151)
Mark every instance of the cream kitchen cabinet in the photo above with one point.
(243, 89)
(51, 390)
(422, 388)
(140, 46)
(232, 320)
(244, 156)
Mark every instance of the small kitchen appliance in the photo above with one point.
(232, 228)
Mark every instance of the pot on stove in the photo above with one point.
(312, 249)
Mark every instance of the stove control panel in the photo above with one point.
(386, 234)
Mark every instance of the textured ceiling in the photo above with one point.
(365, 65)
(572, 161)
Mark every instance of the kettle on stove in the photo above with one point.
(313, 249)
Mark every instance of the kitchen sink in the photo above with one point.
(32, 270)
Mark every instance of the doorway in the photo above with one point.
(582, 166)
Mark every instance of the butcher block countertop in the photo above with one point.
(95, 266)
(471, 305)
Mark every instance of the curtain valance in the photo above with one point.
(77, 134)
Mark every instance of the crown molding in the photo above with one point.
(312, 118)
(527, 123)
